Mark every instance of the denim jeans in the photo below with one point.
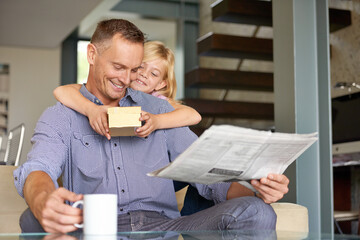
(244, 213)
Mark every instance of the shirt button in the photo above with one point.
(122, 190)
(115, 144)
(15, 178)
(121, 209)
(97, 101)
(118, 168)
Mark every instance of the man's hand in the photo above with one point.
(272, 188)
(53, 214)
(59, 237)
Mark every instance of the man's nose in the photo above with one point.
(126, 78)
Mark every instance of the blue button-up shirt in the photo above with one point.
(65, 145)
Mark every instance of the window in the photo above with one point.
(82, 63)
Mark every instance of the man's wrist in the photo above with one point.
(38, 202)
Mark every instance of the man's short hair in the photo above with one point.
(106, 29)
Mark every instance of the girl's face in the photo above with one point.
(150, 76)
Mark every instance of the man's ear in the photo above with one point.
(160, 85)
(91, 53)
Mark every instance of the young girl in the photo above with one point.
(156, 77)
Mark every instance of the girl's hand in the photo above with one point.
(151, 124)
(99, 121)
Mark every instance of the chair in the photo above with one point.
(12, 204)
(14, 145)
(1, 150)
(1, 138)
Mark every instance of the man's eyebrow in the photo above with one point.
(119, 64)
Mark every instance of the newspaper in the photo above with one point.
(228, 153)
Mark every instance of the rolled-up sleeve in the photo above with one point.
(50, 149)
(216, 192)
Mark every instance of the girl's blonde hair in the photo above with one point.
(154, 50)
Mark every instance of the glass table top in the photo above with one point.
(191, 235)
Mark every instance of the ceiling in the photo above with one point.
(40, 23)
(46, 23)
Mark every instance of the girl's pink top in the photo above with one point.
(158, 95)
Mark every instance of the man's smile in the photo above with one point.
(120, 86)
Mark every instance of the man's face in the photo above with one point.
(113, 68)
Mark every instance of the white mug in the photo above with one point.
(99, 214)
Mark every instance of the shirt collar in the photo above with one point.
(85, 92)
(133, 94)
(130, 94)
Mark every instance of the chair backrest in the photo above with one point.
(14, 145)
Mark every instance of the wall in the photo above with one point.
(34, 73)
(345, 51)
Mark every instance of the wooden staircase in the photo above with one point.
(259, 13)
(229, 79)
(252, 12)
(220, 45)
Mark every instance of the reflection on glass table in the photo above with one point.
(191, 235)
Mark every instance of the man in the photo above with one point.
(65, 145)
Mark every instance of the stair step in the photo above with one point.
(221, 45)
(260, 13)
(339, 19)
(251, 12)
(231, 109)
(228, 79)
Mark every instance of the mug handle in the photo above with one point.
(77, 203)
